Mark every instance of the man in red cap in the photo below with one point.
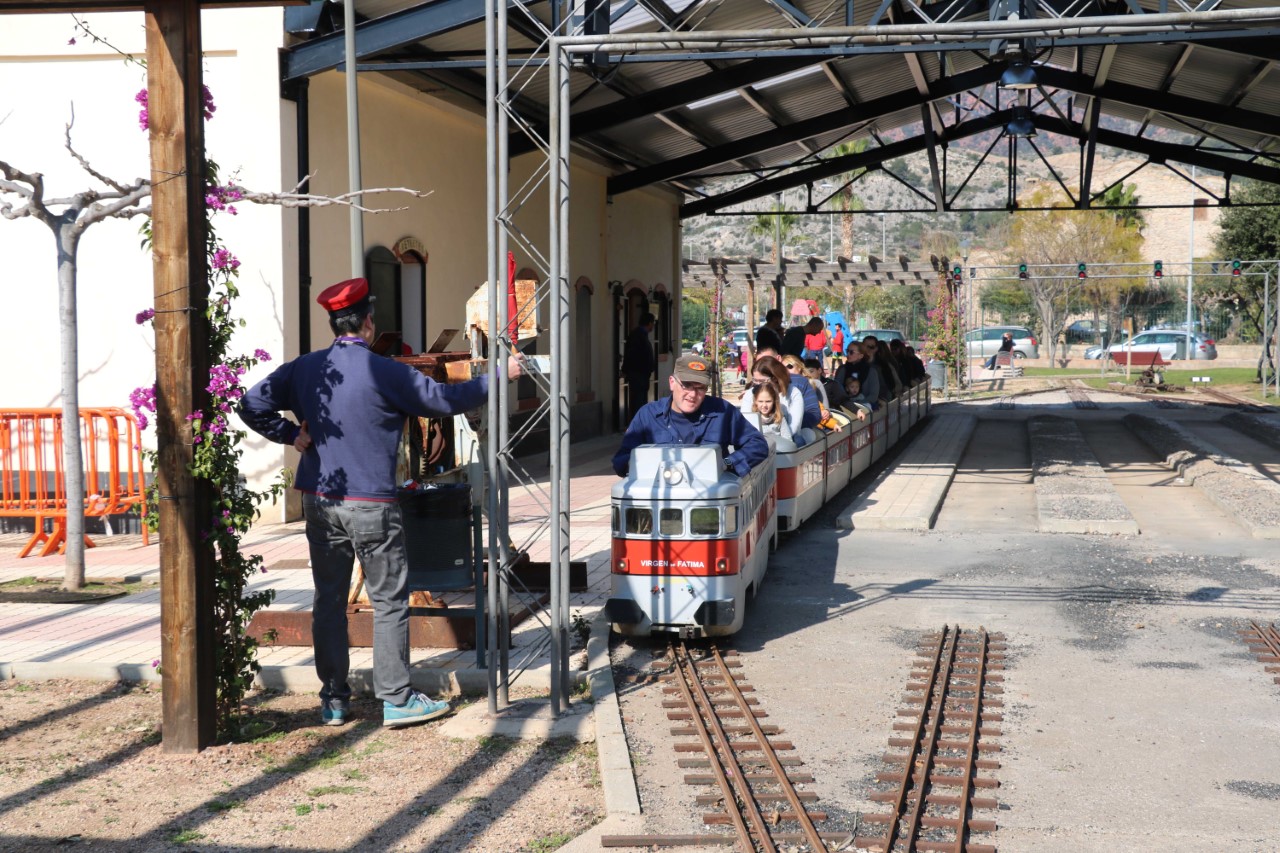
(350, 408)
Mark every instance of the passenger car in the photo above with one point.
(985, 342)
(1171, 343)
(885, 335)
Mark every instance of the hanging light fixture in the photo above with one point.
(1019, 75)
(1021, 125)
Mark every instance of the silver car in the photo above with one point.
(1171, 344)
(985, 342)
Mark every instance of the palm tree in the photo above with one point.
(847, 199)
(779, 226)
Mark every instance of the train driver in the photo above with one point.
(691, 417)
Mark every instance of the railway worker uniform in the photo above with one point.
(689, 416)
(350, 407)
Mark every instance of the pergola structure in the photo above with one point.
(814, 272)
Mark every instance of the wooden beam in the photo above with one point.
(175, 109)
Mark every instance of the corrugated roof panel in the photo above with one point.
(876, 75)
(1144, 64)
(1265, 97)
(1208, 81)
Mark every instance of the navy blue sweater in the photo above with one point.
(355, 404)
(715, 422)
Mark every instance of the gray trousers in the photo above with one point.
(337, 532)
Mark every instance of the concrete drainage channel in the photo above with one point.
(1073, 492)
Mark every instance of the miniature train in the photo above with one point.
(691, 542)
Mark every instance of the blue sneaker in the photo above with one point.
(334, 712)
(418, 709)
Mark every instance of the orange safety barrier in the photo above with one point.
(34, 482)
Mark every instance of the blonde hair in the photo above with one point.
(777, 404)
(790, 361)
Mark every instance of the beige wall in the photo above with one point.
(408, 140)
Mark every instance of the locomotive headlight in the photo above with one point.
(672, 475)
(722, 565)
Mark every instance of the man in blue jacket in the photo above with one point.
(691, 417)
(350, 408)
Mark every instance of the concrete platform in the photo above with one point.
(908, 495)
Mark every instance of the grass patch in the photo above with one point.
(324, 790)
(187, 836)
(29, 580)
(225, 805)
(354, 775)
(302, 809)
(547, 843)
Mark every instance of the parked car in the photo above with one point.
(1082, 331)
(985, 342)
(884, 335)
(740, 338)
(1171, 344)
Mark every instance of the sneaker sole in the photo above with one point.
(409, 721)
(334, 722)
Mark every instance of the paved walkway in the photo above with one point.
(908, 495)
(121, 638)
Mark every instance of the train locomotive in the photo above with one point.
(691, 542)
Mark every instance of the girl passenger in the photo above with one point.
(773, 414)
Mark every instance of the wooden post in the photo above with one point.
(175, 97)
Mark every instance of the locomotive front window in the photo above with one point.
(671, 522)
(704, 521)
(730, 520)
(617, 524)
(639, 520)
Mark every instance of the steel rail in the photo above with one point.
(788, 789)
(1266, 645)
(702, 701)
(975, 726)
(938, 688)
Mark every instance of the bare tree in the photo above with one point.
(22, 195)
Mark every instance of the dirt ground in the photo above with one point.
(81, 766)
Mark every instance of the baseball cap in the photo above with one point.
(693, 368)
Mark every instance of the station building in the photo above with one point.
(424, 259)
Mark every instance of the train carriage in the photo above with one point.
(691, 542)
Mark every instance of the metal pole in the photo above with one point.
(495, 389)
(566, 379)
(1191, 268)
(353, 135)
(883, 244)
(557, 213)
(502, 428)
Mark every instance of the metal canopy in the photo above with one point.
(1172, 81)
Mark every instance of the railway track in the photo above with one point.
(1239, 403)
(947, 721)
(753, 787)
(1080, 397)
(1264, 642)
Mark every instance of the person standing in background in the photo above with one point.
(638, 362)
(769, 336)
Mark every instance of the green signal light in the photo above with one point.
(1235, 268)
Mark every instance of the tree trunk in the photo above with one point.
(67, 234)
(846, 234)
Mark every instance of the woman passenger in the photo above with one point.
(769, 369)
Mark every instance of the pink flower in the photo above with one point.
(71, 40)
(144, 316)
(224, 260)
(261, 355)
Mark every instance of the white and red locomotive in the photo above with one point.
(691, 541)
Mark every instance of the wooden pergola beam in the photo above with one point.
(175, 103)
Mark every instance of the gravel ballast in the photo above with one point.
(1073, 493)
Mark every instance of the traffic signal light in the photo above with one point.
(1159, 269)
(1022, 271)
(1081, 272)
(1235, 268)
(955, 275)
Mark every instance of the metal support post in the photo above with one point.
(353, 136)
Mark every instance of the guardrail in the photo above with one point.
(33, 481)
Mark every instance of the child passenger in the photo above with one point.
(773, 414)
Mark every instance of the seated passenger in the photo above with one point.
(812, 409)
(769, 369)
(691, 417)
(773, 414)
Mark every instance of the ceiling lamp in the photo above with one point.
(1021, 126)
(1019, 75)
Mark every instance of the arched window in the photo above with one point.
(661, 308)
(382, 269)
